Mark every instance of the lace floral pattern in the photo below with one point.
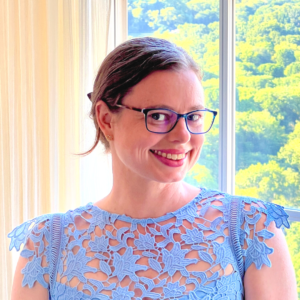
(186, 254)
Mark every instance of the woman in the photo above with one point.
(154, 236)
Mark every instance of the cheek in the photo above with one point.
(132, 138)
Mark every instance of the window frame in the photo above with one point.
(227, 96)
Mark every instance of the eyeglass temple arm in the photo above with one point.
(131, 108)
(119, 105)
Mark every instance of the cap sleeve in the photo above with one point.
(35, 235)
(255, 218)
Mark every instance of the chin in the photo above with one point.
(170, 178)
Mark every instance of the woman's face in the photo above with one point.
(142, 152)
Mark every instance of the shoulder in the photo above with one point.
(245, 208)
(36, 226)
(267, 263)
(41, 240)
(41, 226)
(255, 230)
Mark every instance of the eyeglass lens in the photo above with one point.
(162, 121)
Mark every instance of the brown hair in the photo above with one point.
(127, 65)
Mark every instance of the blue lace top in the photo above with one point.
(200, 251)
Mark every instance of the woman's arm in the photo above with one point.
(31, 278)
(278, 281)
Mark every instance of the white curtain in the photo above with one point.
(50, 51)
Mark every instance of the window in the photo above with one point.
(268, 101)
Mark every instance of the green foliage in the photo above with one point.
(290, 151)
(284, 57)
(270, 22)
(208, 75)
(271, 69)
(211, 97)
(206, 12)
(291, 81)
(258, 136)
(292, 39)
(200, 175)
(281, 102)
(297, 55)
(210, 153)
(293, 68)
(245, 99)
(245, 69)
(258, 82)
(270, 182)
(253, 54)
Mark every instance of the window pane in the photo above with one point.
(193, 25)
(268, 101)
(268, 106)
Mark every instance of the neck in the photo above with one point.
(141, 198)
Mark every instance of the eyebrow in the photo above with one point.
(196, 107)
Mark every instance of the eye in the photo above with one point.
(195, 117)
(159, 116)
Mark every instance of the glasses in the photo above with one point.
(163, 120)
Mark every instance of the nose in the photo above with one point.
(180, 133)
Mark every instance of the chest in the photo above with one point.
(181, 257)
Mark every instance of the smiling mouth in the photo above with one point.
(169, 155)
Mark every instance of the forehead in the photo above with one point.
(177, 90)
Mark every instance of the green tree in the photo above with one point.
(206, 12)
(245, 99)
(293, 68)
(271, 69)
(210, 154)
(269, 182)
(292, 39)
(259, 136)
(284, 57)
(252, 54)
(281, 101)
(200, 175)
(211, 94)
(258, 81)
(245, 69)
(291, 81)
(290, 151)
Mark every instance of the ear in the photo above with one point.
(104, 117)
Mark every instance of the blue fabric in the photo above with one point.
(200, 251)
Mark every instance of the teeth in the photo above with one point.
(170, 156)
